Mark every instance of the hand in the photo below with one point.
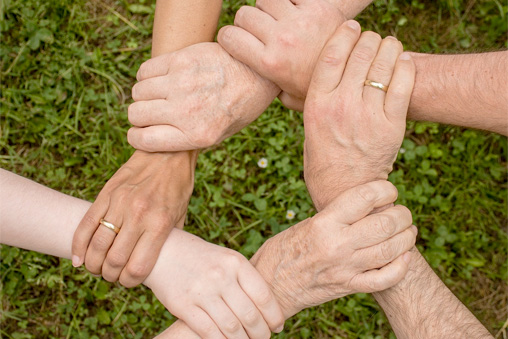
(281, 40)
(214, 290)
(352, 131)
(145, 198)
(194, 98)
(341, 250)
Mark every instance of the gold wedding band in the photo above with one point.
(377, 85)
(109, 225)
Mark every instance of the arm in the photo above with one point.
(467, 90)
(342, 256)
(147, 196)
(420, 306)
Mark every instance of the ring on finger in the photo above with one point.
(376, 84)
(109, 225)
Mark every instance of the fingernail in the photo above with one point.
(407, 257)
(95, 275)
(415, 229)
(353, 24)
(76, 262)
(391, 38)
(405, 56)
(279, 329)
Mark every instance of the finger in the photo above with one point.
(277, 9)
(381, 254)
(119, 253)
(376, 228)
(242, 46)
(360, 61)
(260, 294)
(142, 259)
(256, 22)
(225, 319)
(151, 89)
(386, 277)
(160, 138)
(86, 229)
(150, 112)
(381, 70)
(101, 242)
(334, 57)
(155, 67)
(357, 202)
(201, 323)
(247, 313)
(292, 102)
(401, 87)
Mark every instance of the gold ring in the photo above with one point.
(109, 225)
(377, 85)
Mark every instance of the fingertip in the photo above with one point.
(353, 24)
(77, 261)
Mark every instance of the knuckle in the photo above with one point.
(208, 330)
(116, 259)
(251, 317)
(233, 326)
(386, 224)
(287, 40)
(269, 63)
(386, 252)
(264, 297)
(362, 53)
(366, 193)
(381, 67)
(216, 273)
(330, 56)
(100, 243)
(137, 270)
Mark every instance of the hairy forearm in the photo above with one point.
(421, 306)
(467, 90)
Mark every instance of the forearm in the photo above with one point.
(179, 24)
(421, 306)
(349, 8)
(467, 90)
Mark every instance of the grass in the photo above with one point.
(67, 69)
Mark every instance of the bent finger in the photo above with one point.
(151, 89)
(101, 242)
(381, 254)
(119, 253)
(357, 202)
(386, 277)
(334, 57)
(155, 67)
(381, 70)
(201, 323)
(86, 229)
(150, 112)
(378, 227)
(256, 22)
(142, 260)
(225, 319)
(399, 93)
(260, 294)
(360, 61)
(277, 9)
(243, 46)
(160, 138)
